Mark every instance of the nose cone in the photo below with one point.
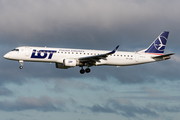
(6, 56)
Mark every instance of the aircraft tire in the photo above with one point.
(21, 67)
(88, 70)
(82, 71)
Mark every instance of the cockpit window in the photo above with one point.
(15, 50)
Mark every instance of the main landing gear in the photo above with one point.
(21, 62)
(87, 70)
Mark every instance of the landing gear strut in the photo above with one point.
(87, 70)
(21, 62)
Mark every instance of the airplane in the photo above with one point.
(65, 58)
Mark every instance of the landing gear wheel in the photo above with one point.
(82, 71)
(21, 62)
(21, 67)
(88, 70)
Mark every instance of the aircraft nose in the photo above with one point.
(6, 56)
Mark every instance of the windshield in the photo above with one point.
(15, 50)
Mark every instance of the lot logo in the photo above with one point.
(160, 43)
(42, 54)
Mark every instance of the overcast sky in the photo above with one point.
(40, 91)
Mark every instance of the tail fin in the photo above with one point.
(159, 44)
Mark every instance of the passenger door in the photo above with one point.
(27, 51)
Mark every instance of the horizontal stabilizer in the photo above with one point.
(165, 57)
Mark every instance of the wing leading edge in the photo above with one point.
(96, 58)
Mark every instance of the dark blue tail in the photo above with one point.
(159, 44)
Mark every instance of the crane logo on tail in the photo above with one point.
(159, 44)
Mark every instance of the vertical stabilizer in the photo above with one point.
(159, 44)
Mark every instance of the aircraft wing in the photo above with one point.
(96, 58)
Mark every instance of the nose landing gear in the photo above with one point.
(21, 62)
(20, 67)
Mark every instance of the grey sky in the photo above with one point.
(134, 92)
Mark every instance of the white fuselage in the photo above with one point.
(57, 55)
(65, 58)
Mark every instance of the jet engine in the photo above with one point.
(69, 62)
(61, 66)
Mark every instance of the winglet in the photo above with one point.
(112, 52)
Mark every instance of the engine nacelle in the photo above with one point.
(69, 62)
(61, 66)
